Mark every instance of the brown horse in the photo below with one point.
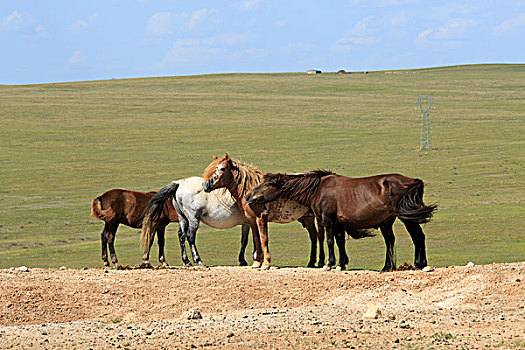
(239, 179)
(116, 207)
(342, 203)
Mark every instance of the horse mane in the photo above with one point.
(299, 188)
(245, 176)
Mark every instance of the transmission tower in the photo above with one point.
(425, 121)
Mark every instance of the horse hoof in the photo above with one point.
(188, 264)
(256, 264)
(243, 263)
(265, 267)
(145, 265)
(340, 268)
(106, 263)
(164, 264)
(326, 268)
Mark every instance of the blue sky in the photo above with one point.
(55, 41)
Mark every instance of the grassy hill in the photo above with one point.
(61, 145)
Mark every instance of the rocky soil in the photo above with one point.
(467, 307)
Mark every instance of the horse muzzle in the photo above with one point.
(207, 186)
(250, 199)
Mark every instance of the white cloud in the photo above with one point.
(167, 23)
(422, 37)
(357, 41)
(77, 58)
(248, 5)
(455, 28)
(449, 34)
(79, 24)
(15, 21)
(41, 31)
(196, 51)
(511, 24)
(83, 23)
(399, 19)
(164, 23)
(188, 51)
(362, 33)
(363, 27)
(398, 2)
(198, 17)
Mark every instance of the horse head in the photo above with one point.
(266, 192)
(218, 174)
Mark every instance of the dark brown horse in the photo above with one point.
(239, 179)
(126, 207)
(343, 203)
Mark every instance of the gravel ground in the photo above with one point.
(458, 307)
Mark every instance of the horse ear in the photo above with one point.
(215, 157)
(227, 156)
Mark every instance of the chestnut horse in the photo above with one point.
(341, 202)
(116, 207)
(239, 179)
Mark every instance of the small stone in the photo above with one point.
(191, 314)
(372, 312)
(470, 264)
(63, 268)
(23, 269)
(230, 335)
(428, 269)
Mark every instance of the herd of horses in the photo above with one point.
(231, 193)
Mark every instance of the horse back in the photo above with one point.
(360, 202)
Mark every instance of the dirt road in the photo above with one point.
(286, 308)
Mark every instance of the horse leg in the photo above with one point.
(110, 234)
(104, 241)
(418, 237)
(390, 239)
(330, 234)
(244, 242)
(192, 233)
(320, 238)
(258, 253)
(161, 243)
(341, 242)
(309, 224)
(262, 224)
(183, 226)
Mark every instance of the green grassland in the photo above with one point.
(61, 145)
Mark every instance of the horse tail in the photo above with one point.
(153, 213)
(408, 203)
(96, 209)
(358, 234)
